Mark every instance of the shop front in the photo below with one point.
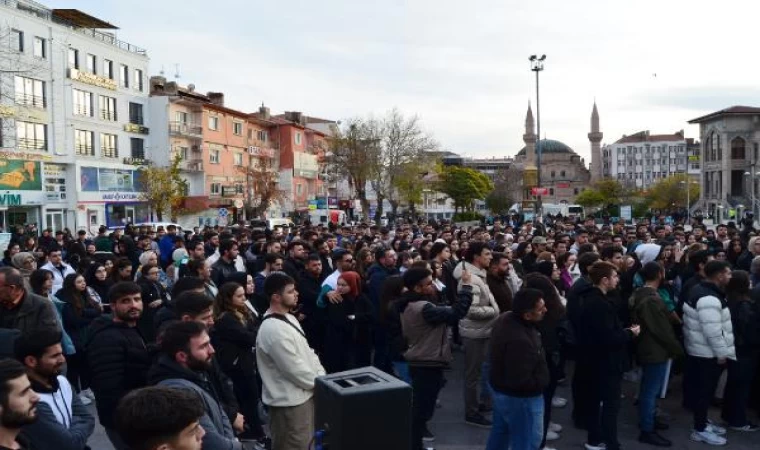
(21, 196)
(111, 197)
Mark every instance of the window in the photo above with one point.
(562, 174)
(73, 58)
(92, 62)
(553, 174)
(40, 50)
(213, 122)
(139, 79)
(216, 189)
(124, 76)
(239, 189)
(575, 191)
(82, 103)
(299, 188)
(30, 92)
(136, 113)
(237, 159)
(31, 136)
(180, 117)
(108, 69)
(108, 148)
(83, 141)
(262, 135)
(298, 138)
(17, 40)
(737, 148)
(551, 191)
(237, 128)
(183, 153)
(107, 108)
(213, 156)
(137, 146)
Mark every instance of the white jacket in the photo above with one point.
(707, 329)
(58, 275)
(287, 365)
(484, 311)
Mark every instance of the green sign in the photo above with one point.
(20, 175)
(10, 200)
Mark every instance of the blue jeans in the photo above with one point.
(518, 422)
(402, 371)
(652, 377)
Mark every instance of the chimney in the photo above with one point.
(264, 112)
(680, 133)
(157, 85)
(296, 116)
(216, 98)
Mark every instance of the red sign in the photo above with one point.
(539, 191)
(563, 185)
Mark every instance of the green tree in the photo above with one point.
(590, 198)
(164, 189)
(464, 185)
(355, 154)
(670, 192)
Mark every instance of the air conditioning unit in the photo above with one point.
(196, 148)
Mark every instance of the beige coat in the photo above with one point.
(484, 311)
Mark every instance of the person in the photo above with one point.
(98, 283)
(425, 328)
(294, 263)
(498, 272)
(161, 418)
(709, 340)
(122, 271)
(202, 270)
(59, 268)
(222, 269)
(288, 367)
(166, 245)
(475, 329)
(384, 267)
(185, 362)
(604, 344)
(309, 290)
(18, 404)
(656, 345)
(150, 257)
(272, 263)
(21, 309)
(519, 374)
(347, 335)
(62, 422)
(154, 296)
(117, 355)
(25, 263)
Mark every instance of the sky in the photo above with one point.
(462, 67)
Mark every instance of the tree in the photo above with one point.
(164, 189)
(261, 189)
(410, 185)
(590, 198)
(670, 193)
(464, 185)
(506, 192)
(355, 150)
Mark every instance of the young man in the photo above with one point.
(161, 418)
(117, 355)
(294, 263)
(21, 309)
(519, 375)
(309, 288)
(272, 263)
(62, 420)
(498, 273)
(18, 404)
(288, 367)
(59, 269)
(224, 267)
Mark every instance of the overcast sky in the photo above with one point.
(461, 66)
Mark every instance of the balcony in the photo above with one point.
(31, 144)
(189, 130)
(36, 101)
(192, 165)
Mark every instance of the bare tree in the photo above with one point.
(261, 188)
(355, 154)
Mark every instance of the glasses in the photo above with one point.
(153, 272)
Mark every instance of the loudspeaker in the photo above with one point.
(364, 409)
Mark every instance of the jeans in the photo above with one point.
(402, 371)
(426, 383)
(652, 377)
(382, 358)
(741, 373)
(703, 376)
(553, 363)
(602, 410)
(475, 355)
(518, 422)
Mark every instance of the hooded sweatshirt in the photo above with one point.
(484, 310)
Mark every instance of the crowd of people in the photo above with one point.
(213, 338)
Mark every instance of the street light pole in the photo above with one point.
(537, 65)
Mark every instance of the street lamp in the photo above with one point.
(688, 199)
(752, 189)
(537, 65)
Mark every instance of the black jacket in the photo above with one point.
(221, 271)
(151, 291)
(575, 301)
(603, 339)
(518, 362)
(76, 324)
(744, 319)
(234, 343)
(118, 360)
(313, 325)
(293, 267)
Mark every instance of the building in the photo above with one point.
(729, 156)
(641, 159)
(74, 130)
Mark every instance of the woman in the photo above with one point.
(122, 271)
(98, 283)
(234, 338)
(246, 280)
(41, 283)
(8, 254)
(454, 247)
(202, 270)
(153, 297)
(735, 249)
(79, 310)
(26, 264)
(347, 337)
(151, 257)
(390, 319)
(364, 259)
(566, 263)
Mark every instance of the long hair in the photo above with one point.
(223, 302)
(37, 280)
(738, 287)
(354, 282)
(554, 307)
(118, 265)
(70, 294)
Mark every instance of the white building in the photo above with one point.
(75, 128)
(641, 159)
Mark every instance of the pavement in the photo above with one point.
(453, 434)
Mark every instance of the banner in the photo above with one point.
(20, 175)
(94, 179)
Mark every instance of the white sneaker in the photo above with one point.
(708, 437)
(551, 436)
(548, 448)
(89, 394)
(555, 427)
(715, 429)
(85, 400)
(601, 446)
(559, 402)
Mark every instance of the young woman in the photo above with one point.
(347, 338)
(154, 296)
(364, 259)
(122, 270)
(98, 283)
(151, 257)
(8, 254)
(567, 264)
(246, 280)
(735, 249)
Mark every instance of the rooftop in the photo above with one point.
(549, 146)
(731, 111)
(645, 136)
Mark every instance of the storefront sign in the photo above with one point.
(312, 205)
(260, 151)
(229, 191)
(135, 128)
(120, 196)
(99, 179)
(8, 154)
(19, 175)
(28, 114)
(90, 78)
(136, 161)
(55, 182)
(10, 199)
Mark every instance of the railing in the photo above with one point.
(38, 101)
(108, 115)
(85, 150)
(83, 111)
(185, 129)
(195, 165)
(109, 152)
(31, 144)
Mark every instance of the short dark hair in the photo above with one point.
(276, 282)
(497, 257)
(415, 275)
(588, 247)
(586, 260)
(380, 252)
(715, 267)
(651, 271)
(151, 416)
(475, 249)
(12, 276)
(226, 245)
(34, 342)
(600, 270)
(177, 336)
(194, 265)
(145, 270)
(294, 244)
(271, 258)
(192, 303)
(313, 257)
(10, 369)
(698, 257)
(608, 252)
(187, 283)
(437, 248)
(526, 300)
(122, 289)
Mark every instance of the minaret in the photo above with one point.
(530, 173)
(595, 136)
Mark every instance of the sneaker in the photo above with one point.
(548, 448)
(716, 429)
(478, 420)
(552, 435)
(654, 439)
(708, 437)
(85, 400)
(555, 427)
(660, 426)
(600, 446)
(427, 435)
(559, 402)
(748, 427)
(89, 394)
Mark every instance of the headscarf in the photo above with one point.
(145, 256)
(18, 259)
(353, 280)
(647, 252)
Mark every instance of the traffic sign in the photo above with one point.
(223, 212)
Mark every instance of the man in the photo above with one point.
(117, 355)
(324, 250)
(224, 268)
(186, 362)
(425, 328)
(21, 309)
(161, 418)
(62, 420)
(166, 245)
(343, 261)
(273, 247)
(309, 288)
(709, 340)
(18, 404)
(212, 243)
(58, 268)
(193, 306)
(196, 251)
(288, 367)
(722, 235)
(475, 329)
(697, 262)
(383, 267)
(103, 243)
(538, 245)
(498, 272)
(294, 263)
(272, 263)
(581, 237)
(519, 374)
(44, 242)
(656, 344)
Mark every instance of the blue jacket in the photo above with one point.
(376, 275)
(166, 247)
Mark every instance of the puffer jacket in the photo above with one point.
(484, 310)
(707, 328)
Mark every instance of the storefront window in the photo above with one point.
(121, 214)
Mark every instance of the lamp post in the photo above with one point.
(537, 65)
(752, 189)
(688, 199)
